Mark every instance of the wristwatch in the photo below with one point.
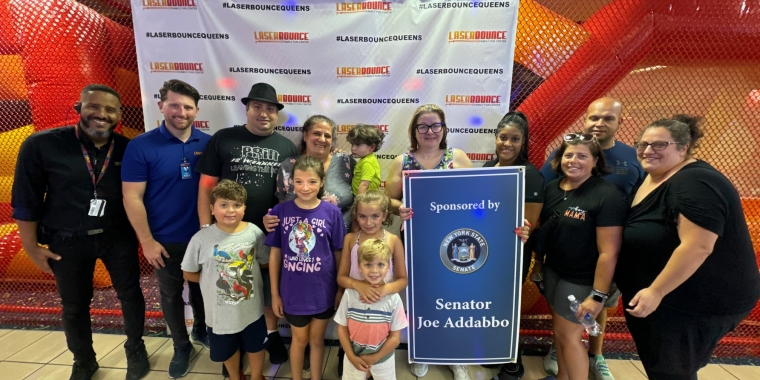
(598, 296)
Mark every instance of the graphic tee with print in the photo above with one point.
(250, 160)
(307, 239)
(231, 282)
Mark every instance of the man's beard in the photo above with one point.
(94, 133)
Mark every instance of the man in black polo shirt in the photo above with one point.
(67, 194)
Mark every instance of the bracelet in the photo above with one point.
(603, 294)
(204, 225)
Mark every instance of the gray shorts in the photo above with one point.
(267, 287)
(614, 298)
(557, 291)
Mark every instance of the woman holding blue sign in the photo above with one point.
(512, 138)
(580, 236)
(428, 151)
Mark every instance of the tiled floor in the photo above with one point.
(26, 354)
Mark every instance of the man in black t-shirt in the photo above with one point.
(250, 155)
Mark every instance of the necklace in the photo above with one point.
(571, 193)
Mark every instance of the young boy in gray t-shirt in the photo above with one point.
(222, 258)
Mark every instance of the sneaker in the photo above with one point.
(598, 368)
(511, 371)
(307, 358)
(341, 356)
(460, 372)
(137, 363)
(200, 337)
(550, 362)
(278, 354)
(419, 370)
(180, 364)
(83, 369)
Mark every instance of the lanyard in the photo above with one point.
(89, 163)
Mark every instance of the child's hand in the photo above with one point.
(270, 221)
(382, 289)
(367, 293)
(277, 307)
(359, 363)
(405, 213)
(370, 359)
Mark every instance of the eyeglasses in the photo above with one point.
(656, 146)
(579, 136)
(424, 128)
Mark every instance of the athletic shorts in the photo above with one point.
(252, 339)
(557, 291)
(614, 298)
(303, 320)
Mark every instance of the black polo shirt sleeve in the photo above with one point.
(29, 182)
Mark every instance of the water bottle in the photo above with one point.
(592, 328)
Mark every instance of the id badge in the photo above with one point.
(97, 207)
(184, 169)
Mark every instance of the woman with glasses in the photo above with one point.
(512, 150)
(687, 268)
(428, 150)
(580, 234)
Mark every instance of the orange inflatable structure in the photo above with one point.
(632, 32)
(50, 49)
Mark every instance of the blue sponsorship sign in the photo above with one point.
(464, 262)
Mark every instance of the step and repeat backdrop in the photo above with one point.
(371, 62)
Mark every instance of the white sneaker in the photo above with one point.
(460, 372)
(419, 370)
(550, 362)
(599, 369)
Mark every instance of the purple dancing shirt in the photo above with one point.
(307, 239)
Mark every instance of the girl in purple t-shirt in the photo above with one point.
(305, 250)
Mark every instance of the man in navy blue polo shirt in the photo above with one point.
(160, 189)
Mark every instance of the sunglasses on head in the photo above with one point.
(578, 136)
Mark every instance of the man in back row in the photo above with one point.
(159, 190)
(603, 120)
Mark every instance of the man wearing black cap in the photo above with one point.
(251, 156)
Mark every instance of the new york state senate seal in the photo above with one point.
(464, 251)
